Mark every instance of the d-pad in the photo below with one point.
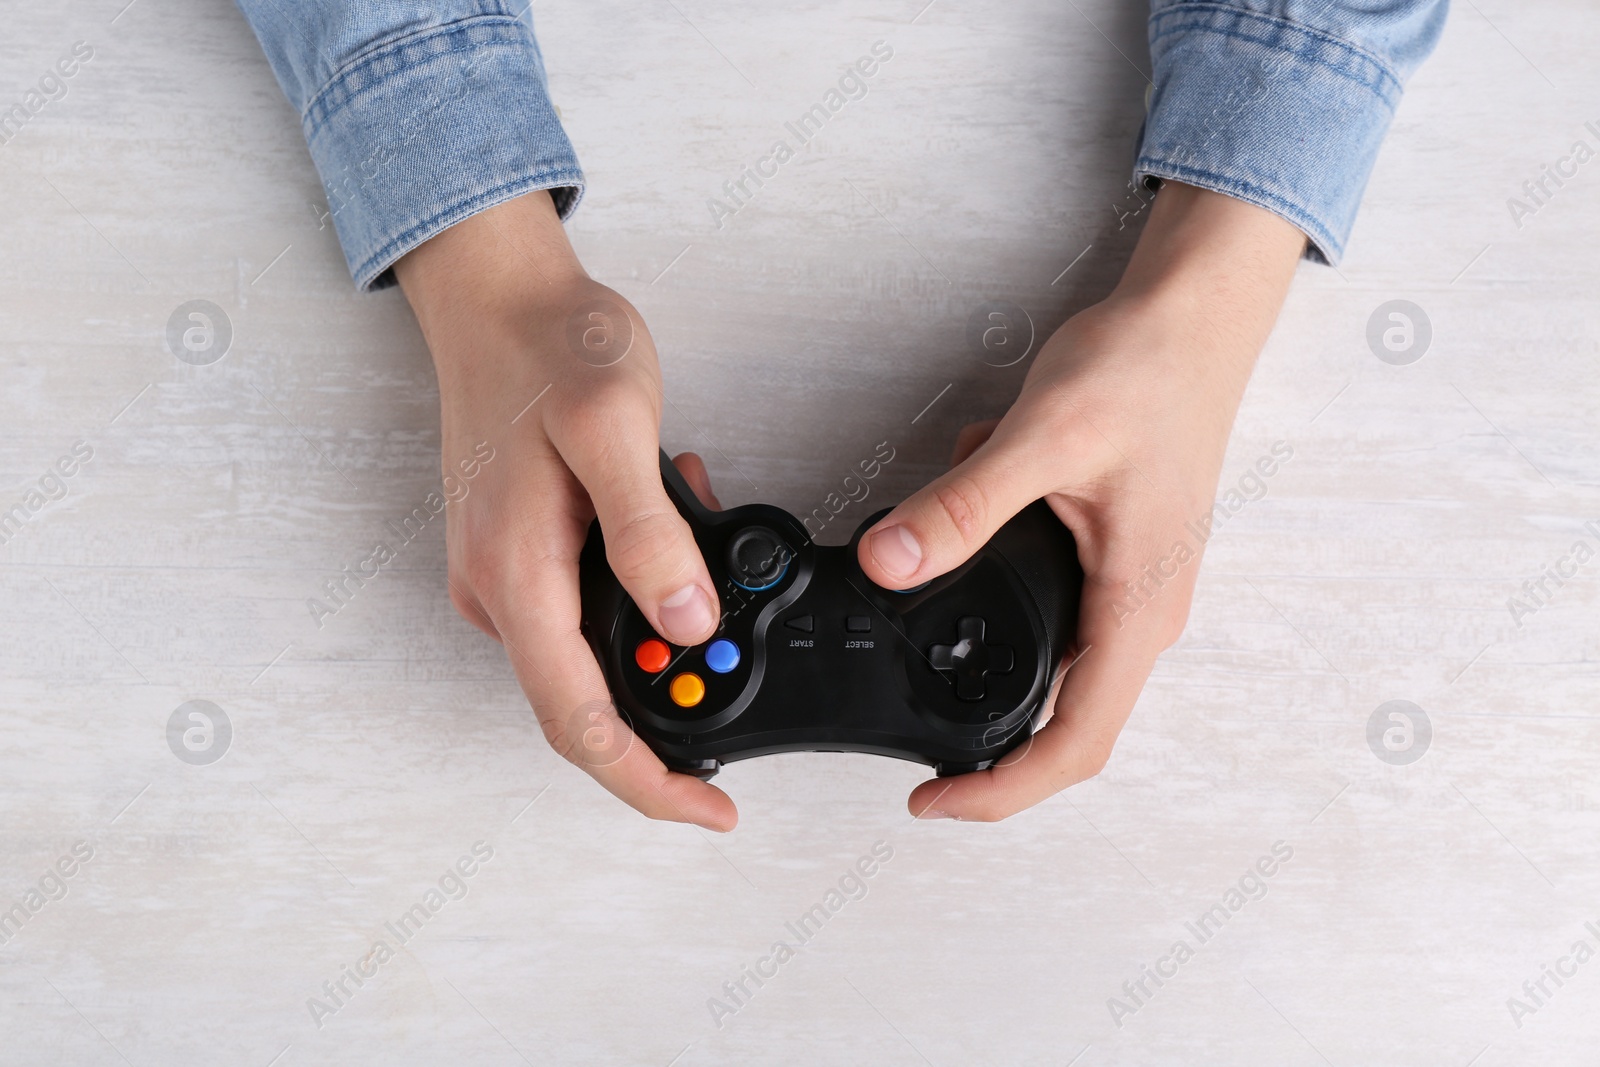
(968, 660)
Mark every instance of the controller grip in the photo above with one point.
(680, 492)
(1044, 555)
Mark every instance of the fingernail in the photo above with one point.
(896, 551)
(686, 615)
(935, 813)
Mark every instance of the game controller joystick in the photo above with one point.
(811, 656)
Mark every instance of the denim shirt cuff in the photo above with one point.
(416, 135)
(1280, 115)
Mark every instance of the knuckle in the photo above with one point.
(463, 601)
(658, 812)
(557, 734)
(484, 570)
(590, 735)
(964, 505)
(608, 404)
(1152, 579)
(1122, 571)
(1093, 755)
(645, 548)
(1056, 423)
(498, 570)
(989, 809)
(1174, 621)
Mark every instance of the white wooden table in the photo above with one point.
(368, 757)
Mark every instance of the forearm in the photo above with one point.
(1216, 265)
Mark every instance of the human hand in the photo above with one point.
(559, 375)
(1121, 427)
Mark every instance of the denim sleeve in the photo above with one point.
(1281, 103)
(417, 115)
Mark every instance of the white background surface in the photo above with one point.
(369, 755)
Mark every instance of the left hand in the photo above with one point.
(1121, 428)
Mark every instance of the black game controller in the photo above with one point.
(811, 656)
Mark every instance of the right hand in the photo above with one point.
(510, 315)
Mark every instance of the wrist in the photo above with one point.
(508, 263)
(1215, 261)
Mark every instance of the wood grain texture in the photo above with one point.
(370, 754)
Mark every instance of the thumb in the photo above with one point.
(940, 527)
(650, 548)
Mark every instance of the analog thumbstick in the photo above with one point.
(757, 558)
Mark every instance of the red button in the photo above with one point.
(652, 655)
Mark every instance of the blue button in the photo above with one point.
(722, 656)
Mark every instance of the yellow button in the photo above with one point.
(687, 690)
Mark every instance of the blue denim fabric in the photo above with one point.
(1281, 103)
(417, 115)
